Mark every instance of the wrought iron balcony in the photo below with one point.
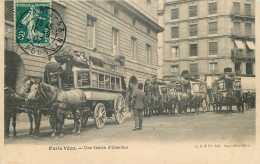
(242, 54)
(250, 13)
(242, 33)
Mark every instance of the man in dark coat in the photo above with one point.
(139, 105)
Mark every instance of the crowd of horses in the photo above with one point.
(176, 102)
(37, 99)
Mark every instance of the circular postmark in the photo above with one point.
(40, 30)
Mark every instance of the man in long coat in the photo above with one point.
(139, 105)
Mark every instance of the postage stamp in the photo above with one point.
(39, 30)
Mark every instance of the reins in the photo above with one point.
(51, 100)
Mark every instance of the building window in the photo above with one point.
(133, 21)
(148, 2)
(194, 69)
(237, 67)
(133, 46)
(9, 11)
(193, 49)
(213, 67)
(248, 26)
(236, 8)
(175, 14)
(193, 30)
(249, 68)
(116, 11)
(175, 52)
(237, 25)
(148, 31)
(213, 8)
(91, 31)
(175, 32)
(213, 48)
(213, 29)
(248, 9)
(148, 53)
(115, 37)
(192, 11)
(174, 70)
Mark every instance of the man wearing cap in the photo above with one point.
(138, 105)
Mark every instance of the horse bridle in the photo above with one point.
(44, 95)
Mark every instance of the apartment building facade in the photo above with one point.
(104, 29)
(206, 36)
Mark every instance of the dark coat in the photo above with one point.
(139, 99)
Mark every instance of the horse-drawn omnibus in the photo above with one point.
(227, 91)
(104, 89)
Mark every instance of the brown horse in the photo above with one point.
(58, 103)
(13, 102)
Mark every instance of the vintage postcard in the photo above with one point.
(129, 81)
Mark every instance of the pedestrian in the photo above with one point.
(138, 106)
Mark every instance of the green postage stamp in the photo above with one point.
(40, 29)
(32, 23)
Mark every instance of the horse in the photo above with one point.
(239, 101)
(183, 102)
(173, 102)
(230, 98)
(12, 101)
(58, 103)
(195, 102)
(218, 101)
(166, 103)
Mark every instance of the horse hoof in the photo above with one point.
(61, 135)
(31, 133)
(6, 137)
(52, 135)
(73, 131)
(78, 133)
(15, 137)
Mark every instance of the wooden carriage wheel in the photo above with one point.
(120, 110)
(100, 115)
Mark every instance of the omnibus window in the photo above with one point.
(117, 83)
(101, 81)
(67, 80)
(113, 82)
(94, 79)
(196, 87)
(202, 87)
(220, 86)
(237, 85)
(107, 81)
(83, 79)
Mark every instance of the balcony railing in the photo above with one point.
(242, 13)
(241, 32)
(242, 54)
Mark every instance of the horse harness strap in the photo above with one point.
(49, 101)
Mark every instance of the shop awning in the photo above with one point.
(240, 44)
(250, 45)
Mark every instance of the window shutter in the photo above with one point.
(194, 69)
(175, 13)
(9, 11)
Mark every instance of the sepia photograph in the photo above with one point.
(173, 81)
